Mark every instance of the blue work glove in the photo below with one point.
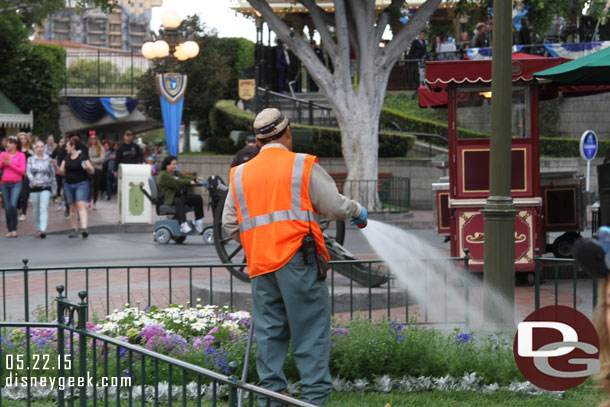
(361, 220)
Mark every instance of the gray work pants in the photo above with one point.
(291, 303)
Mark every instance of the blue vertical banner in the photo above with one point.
(171, 87)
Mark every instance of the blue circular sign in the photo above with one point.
(588, 145)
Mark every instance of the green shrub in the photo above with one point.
(226, 116)
(566, 147)
(409, 122)
(221, 145)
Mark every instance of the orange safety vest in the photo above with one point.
(274, 210)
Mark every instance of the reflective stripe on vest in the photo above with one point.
(295, 213)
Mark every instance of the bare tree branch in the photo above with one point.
(386, 15)
(320, 19)
(400, 41)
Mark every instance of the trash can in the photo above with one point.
(134, 207)
(603, 183)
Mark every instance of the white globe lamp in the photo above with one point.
(190, 49)
(170, 19)
(160, 48)
(148, 50)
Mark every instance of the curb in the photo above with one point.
(110, 229)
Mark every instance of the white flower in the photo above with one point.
(108, 327)
(198, 326)
(240, 315)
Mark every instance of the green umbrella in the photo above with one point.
(592, 69)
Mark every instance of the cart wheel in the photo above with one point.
(162, 236)
(562, 246)
(208, 235)
(231, 252)
(179, 239)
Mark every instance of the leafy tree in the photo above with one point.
(208, 76)
(91, 74)
(240, 55)
(35, 84)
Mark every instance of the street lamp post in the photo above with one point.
(171, 86)
(500, 210)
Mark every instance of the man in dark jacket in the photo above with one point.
(418, 47)
(246, 153)
(480, 40)
(128, 152)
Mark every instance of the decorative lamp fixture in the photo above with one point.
(172, 43)
(160, 48)
(170, 19)
(148, 50)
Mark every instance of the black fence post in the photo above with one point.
(310, 105)
(82, 347)
(233, 390)
(60, 345)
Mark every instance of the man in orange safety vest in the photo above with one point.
(272, 208)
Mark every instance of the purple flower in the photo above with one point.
(157, 343)
(176, 342)
(208, 340)
(463, 338)
(151, 331)
(92, 327)
(339, 332)
(396, 325)
(399, 337)
(197, 343)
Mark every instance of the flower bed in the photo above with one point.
(381, 356)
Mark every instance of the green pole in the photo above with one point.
(499, 212)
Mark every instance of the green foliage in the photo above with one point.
(409, 122)
(226, 116)
(408, 104)
(375, 349)
(549, 116)
(84, 74)
(566, 147)
(35, 83)
(239, 53)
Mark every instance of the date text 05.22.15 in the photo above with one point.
(37, 362)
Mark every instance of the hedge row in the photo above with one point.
(226, 116)
(409, 122)
(567, 147)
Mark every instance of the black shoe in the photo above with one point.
(43, 235)
(85, 234)
(73, 234)
(67, 213)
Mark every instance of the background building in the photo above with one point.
(126, 27)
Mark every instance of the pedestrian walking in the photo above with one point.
(128, 153)
(273, 204)
(96, 156)
(41, 175)
(22, 204)
(246, 153)
(76, 169)
(12, 164)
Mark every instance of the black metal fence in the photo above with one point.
(103, 73)
(87, 368)
(299, 111)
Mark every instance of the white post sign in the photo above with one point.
(589, 146)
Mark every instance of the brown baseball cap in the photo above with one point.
(269, 122)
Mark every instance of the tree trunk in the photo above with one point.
(186, 143)
(360, 145)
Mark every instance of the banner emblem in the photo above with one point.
(171, 86)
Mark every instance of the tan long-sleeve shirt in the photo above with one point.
(323, 194)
